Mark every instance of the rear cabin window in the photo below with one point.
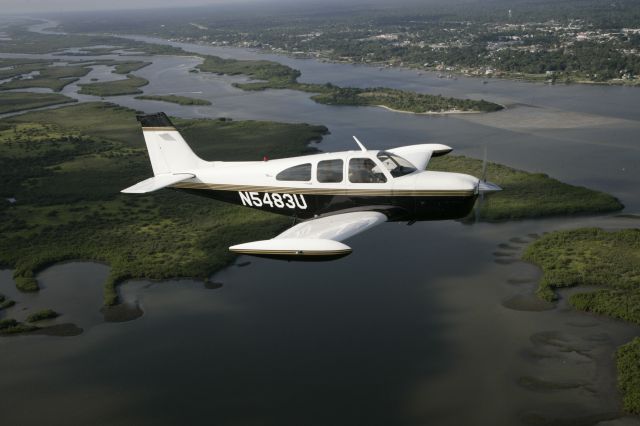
(364, 170)
(330, 171)
(301, 173)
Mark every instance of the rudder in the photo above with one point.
(168, 151)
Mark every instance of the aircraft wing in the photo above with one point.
(315, 239)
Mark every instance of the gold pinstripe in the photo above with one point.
(324, 191)
(165, 129)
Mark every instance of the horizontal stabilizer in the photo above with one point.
(157, 182)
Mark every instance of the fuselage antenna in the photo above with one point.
(359, 144)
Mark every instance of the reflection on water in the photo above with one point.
(427, 324)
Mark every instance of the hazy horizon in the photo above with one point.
(46, 6)
(17, 7)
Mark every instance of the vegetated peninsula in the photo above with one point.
(175, 99)
(65, 167)
(279, 76)
(527, 195)
(20, 101)
(39, 74)
(50, 74)
(610, 262)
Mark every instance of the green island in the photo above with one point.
(47, 77)
(528, 195)
(279, 76)
(403, 101)
(609, 264)
(10, 326)
(128, 67)
(42, 315)
(128, 86)
(20, 101)
(5, 303)
(180, 100)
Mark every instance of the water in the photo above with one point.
(410, 329)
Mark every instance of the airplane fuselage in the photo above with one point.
(335, 195)
(415, 196)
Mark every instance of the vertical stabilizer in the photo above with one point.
(168, 151)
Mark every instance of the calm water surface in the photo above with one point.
(413, 328)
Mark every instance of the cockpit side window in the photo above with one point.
(396, 165)
(364, 170)
(300, 173)
(330, 171)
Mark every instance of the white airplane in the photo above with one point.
(335, 195)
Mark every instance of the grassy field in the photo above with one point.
(19, 101)
(528, 195)
(609, 261)
(129, 86)
(180, 100)
(66, 167)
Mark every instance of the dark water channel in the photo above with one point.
(426, 324)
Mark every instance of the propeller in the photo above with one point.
(484, 166)
(483, 187)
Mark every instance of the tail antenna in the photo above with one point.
(483, 178)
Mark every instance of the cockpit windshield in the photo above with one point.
(396, 165)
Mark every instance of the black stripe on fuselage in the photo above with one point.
(310, 205)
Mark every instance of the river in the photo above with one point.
(417, 326)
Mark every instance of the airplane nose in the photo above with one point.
(445, 181)
(467, 182)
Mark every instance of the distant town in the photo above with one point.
(596, 42)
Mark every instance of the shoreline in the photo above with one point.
(449, 112)
(509, 77)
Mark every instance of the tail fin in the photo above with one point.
(168, 151)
